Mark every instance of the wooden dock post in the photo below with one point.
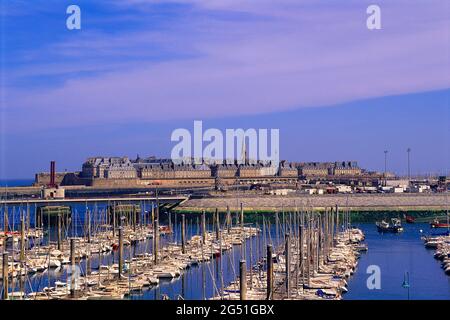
(183, 234)
(217, 224)
(37, 218)
(5, 275)
(72, 267)
(243, 280)
(120, 251)
(59, 231)
(269, 272)
(288, 265)
(203, 226)
(153, 214)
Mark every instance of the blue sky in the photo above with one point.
(140, 68)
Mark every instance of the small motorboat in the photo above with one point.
(395, 226)
(437, 224)
(362, 247)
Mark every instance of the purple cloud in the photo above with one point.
(289, 54)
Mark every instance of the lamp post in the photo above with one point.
(409, 169)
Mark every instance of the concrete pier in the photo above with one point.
(352, 202)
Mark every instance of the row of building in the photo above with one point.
(152, 168)
(123, 171)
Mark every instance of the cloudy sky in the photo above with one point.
(138, 69)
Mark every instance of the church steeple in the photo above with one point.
(244, 156)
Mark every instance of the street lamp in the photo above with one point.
(409, 168)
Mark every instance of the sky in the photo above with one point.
(138, 69)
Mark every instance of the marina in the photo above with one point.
(140, 251)
(100, 254)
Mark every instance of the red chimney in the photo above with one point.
(52, 174)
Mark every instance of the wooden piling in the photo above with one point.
(59, 231)
(269, 272)
(5, 275)
(203, 226)
(243, 280)
(217, 224)
(37, 218)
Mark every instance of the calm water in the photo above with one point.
(395, 254)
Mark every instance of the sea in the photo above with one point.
(16, 182)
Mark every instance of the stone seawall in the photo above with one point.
(354, 202)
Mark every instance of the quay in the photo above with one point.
(352, 202)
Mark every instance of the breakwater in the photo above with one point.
(351, 202)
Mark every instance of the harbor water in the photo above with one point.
(397, 254)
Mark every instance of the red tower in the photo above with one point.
(52, 174)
